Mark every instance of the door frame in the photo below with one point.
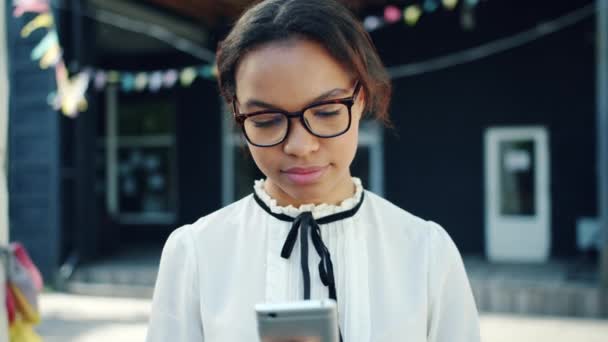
(517, 238)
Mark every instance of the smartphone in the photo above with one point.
(300, 321)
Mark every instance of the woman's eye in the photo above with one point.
(266, 123)
(327, 113)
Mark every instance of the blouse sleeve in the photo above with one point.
(175, 313)
(453, 314)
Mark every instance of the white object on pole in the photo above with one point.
(4, 93)
(588, 234)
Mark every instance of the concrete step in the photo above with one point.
(110, 289)
(121, 274)
(557, 288)
(562, 300)
(130, 274)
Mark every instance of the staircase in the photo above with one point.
(557, 288)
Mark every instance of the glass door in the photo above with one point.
(517, 194)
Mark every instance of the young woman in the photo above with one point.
(300, 75)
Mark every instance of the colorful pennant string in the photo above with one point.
(412, 13)
(70, 96)
(71, 90)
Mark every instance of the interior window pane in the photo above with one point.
(149, 117)
(144, 180)
(517, 169)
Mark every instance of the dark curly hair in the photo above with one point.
(326, 22)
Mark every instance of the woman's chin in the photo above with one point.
(322, 190)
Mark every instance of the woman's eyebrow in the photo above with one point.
(261, 104)
(329, 94)
(326, 95)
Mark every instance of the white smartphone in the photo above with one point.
(301, 321)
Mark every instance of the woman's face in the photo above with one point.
(290, 75)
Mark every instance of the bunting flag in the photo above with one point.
(34, 6)
(70, 96)
(412, 13)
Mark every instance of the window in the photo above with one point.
(517, 177)
(138, 148)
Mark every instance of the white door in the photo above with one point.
(518, 208)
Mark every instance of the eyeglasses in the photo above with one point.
(325, 119)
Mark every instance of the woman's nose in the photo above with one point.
(299, 141)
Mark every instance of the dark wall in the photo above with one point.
(199, 149)
(88, 230)
(434, 158)
(34, 145)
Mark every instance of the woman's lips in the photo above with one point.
(304, 175)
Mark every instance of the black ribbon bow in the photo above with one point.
(305, 223)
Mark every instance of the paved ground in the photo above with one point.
(92, 319)
(503, 328)
(87, 319)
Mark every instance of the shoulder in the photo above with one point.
(226, 214)
(187, 244)
(399, 225)
(390, 211)
(398, 217)
(221, 221)
(401, 222)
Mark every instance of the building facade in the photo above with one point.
(500, 150)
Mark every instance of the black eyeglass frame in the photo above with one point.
(347, 101)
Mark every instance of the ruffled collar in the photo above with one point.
(317, 210)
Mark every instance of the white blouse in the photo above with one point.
(397, 277)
